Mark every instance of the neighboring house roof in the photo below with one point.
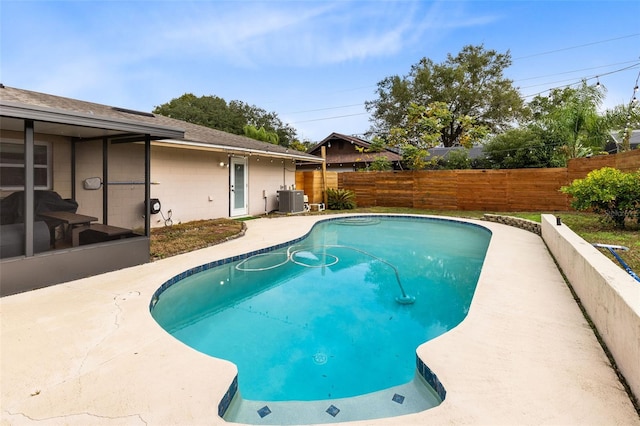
(391, 154)
(354, 156)
(21, 104)
(634, 141)
(335, 136)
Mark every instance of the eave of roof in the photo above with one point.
(20, 109)
(206, 138)
(352, 139)
(206, 146)
(120, 122)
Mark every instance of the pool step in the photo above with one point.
(409, 398)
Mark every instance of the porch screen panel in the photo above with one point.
(12, 166)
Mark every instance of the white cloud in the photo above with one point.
(307, 34)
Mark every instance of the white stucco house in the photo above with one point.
(83, 183)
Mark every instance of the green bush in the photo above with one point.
(341, 199)
(458, 159)
(609, 191)
(380, 164)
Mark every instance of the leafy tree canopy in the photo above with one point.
(261, 134)
(522, 148)
(231, 117)
(571, 116)
(471, 86)
(423, 130)
(458, 159)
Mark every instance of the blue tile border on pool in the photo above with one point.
(223, 406)
(201, 268)
(431, 378)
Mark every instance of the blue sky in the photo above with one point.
(313, 63)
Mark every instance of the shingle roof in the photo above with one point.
(192, 132)
(634, 138)
(473, 152)
(389, 153)
(207, 135)
(334, 136)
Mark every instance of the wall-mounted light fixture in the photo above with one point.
(222, 164)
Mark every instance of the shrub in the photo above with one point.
(458, 159)
(341, 199)
(380, 164)
(608, 191)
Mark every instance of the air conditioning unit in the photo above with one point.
(290, 201)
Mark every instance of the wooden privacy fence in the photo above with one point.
(483, 190)
(311, 184)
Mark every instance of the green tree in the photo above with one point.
(423, 130)
(522, 148)
(571, 116)
(232, 117)
(471, 85)
(261, 134)
(299, 146)
(609, 191)
(258, 117)
(209, 111)
(458, 159)
(380, 164)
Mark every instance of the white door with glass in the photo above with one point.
(239, 187)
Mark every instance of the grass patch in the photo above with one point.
(185, 237)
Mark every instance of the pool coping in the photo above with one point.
(88, 351)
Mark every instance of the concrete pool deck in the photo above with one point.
(88, 352)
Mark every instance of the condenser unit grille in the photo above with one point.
(290, 201)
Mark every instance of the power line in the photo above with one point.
(324, 109)
(574, 71)
(579, 81)
(576, 47)
(331, 118)
(574, 82)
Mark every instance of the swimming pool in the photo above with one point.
(336, 314)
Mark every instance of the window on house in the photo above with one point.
(12, 166)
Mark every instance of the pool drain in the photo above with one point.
(320, 358)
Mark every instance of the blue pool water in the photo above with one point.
(321, 318)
